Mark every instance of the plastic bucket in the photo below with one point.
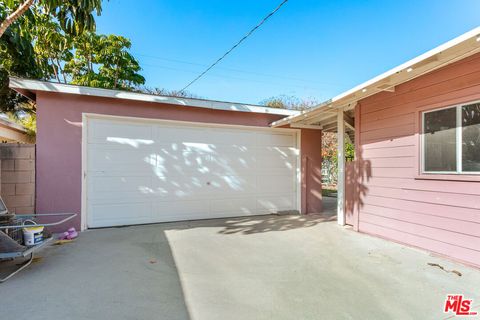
(32, 235)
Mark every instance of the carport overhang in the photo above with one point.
(338, 114)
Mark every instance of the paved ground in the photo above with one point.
(329, 206)
(269, 267)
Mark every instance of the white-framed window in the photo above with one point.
(450, 142)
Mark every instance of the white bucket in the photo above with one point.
(32, 235)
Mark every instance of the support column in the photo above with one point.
(311, 146)
(341, 169)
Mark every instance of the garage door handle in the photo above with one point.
(208, 183)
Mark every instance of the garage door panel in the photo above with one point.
(233, 151)
(271, 203)
(238, 166)
(188, 166)
(236, 137)
(234, 206)
(229, 184)
(183, 192)
(277, 151)
(275, 140)
(119, 183)
(182, 134)
(120, 160)
(118, 132)
(145, 172)
(105, 215)
(276, 162)
(276, 184)
(179, 210)
(103, 198)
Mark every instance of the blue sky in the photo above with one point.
(309, 49)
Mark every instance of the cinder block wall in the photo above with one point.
(18, 177)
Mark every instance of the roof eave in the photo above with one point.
(29, 87)
(453, 50)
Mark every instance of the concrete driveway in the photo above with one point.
(268, 267)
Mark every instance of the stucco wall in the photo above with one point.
(18, 177)
(393, 201)
(311, 146)
(59, 138)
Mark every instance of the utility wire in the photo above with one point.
(306, 86)
(331, 84)
(235, 46)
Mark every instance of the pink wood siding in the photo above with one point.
(350, 179)
(59, 140)
(442, 216)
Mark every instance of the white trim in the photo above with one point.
(191, 123)
(306, 126)
(12, 125)
(341, 168)
(87, 116)
(422, 144)
(36, 85)
(83, 215)
(299, 171)
(459, 48)
(458, 141)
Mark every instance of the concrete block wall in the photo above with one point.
(18, 177)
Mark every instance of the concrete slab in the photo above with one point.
(269, 267)
(329, 206)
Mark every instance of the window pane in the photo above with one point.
(471, 137)
(440, 138)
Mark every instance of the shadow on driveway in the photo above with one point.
(261, 224)
(261, 267)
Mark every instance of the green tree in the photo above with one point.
(104, 61)
(51, 46)
(330, 153)
(20, 29)
(74, 16)
(16, 57)
(119, 69)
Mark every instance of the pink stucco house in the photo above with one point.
(123, 158)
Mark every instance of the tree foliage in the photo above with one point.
(166, 92)
(74, 16)
(46, 44)
(103, 61)
(23, 24)
(330, 153)
(16, 57)
(289, 102)
(52, 47)
(329, 147)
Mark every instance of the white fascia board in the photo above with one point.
(466, 36)
(36, 85)
(474, 33)
(301, 116)
(11, 125)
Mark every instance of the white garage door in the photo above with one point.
(141, 171)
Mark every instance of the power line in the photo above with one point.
(235, 70)
(235, 46)
(236, 78)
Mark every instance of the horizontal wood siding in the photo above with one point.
(437, 215)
